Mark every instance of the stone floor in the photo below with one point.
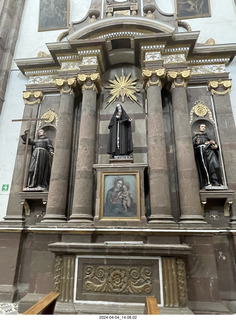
(8, 308)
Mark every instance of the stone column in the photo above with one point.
(58, 189)
(227, 131)
(158, 171)
(14, 211)
(190, 205)
(83, 190)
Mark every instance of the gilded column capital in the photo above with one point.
(153, 77)
(66, 85)
(178, 78)
(32, 97)
(90, 81)
(220, 87)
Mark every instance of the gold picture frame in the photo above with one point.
(120, 196)
(192, 9)
(53, 15)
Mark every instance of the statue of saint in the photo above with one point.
(40, 163)
(120, 138)
(206, 159)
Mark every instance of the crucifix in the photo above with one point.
(30, 119)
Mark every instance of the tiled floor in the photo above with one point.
(8, 308)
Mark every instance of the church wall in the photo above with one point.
(219, 26)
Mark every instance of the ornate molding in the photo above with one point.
(149, 74)
(174, 58)
(182, 287)
(201, 110)
(118, 279)
(51, 116)
(32, 97)
(66, 85)
(90, 81)
(57, 274)
(221, 87)
(178, 78)
(184, 25)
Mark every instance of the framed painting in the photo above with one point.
(120, 196)
(192, 9)
(53, 15)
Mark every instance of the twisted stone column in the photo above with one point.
(83, 191)
(158, 171)
(190, 205)
(58, 189)
(220, 91)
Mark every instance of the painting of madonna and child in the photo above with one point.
(120, 196)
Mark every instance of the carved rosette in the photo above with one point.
(57, 274)
(153, 77)
(90, 81)
(118, 279)
(219, 87)
(178, 78)
(66, 85)
(32, 97)
(201, 111)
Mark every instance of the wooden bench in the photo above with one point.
(151, 305)
(44, 306)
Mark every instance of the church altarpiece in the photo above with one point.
(149, 245)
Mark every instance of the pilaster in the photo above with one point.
(187, 173)
(220, 91)
(83, 188)
(58, 189)
(158, 171)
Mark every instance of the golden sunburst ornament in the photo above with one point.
(123, 86)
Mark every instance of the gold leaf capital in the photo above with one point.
(221, 87)
(32, 97)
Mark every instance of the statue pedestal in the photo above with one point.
(120, 196)
(121, 159)
(34, 204)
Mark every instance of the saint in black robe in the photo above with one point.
(120, 138)
(207, 161)
(40, 163)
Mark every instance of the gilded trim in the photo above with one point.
(66, 85)
(148, 73)
(29, 95)
(201, 110)
(174, 76)
(95, 78)
(220, 87)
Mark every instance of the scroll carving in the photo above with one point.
(148, 76)
(220, 87)
(90, 81)
(118, 279)
(57, 274)
(66, 85)
(178, 78)
(32, 97)
(181, 275)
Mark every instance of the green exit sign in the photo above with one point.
(5, 187)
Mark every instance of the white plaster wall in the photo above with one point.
(9, 133)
